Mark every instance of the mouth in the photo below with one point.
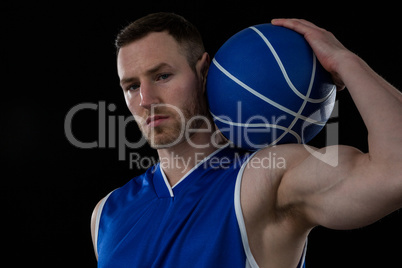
(156, 120)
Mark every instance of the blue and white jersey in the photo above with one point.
(196, 223)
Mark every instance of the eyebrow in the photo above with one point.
(150, 71)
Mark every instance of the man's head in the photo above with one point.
(185, 33)
(162, 68)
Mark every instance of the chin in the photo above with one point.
(165, 139)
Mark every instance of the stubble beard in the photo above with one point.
(166, 136)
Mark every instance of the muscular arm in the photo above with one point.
(362, 188)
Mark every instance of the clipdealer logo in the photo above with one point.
(112, 133)
(107, 134)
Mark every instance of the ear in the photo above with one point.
(202, 68)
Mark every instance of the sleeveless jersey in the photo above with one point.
(196, 223)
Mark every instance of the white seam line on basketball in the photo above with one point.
(297, 136)
(284, 73)
(310, 87)
(264, 98)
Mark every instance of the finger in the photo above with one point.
(308, 23)
(340, 85)
(299, 25)
(292, 21)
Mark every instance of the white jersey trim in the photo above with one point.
(170, 188)
(250, 262)
(166, 182)
(97, 221)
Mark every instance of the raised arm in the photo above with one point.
(362, 188)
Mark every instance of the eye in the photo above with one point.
(163, 76)
(133, 87)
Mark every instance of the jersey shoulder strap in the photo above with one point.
(97, 220)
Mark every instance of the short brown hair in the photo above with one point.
(185, 33)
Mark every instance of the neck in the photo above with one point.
(176, 161)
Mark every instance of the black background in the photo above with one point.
(58, 55)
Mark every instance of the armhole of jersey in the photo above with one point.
(97, 220)
(303, 258)
(250, 262)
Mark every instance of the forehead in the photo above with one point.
(139, 56)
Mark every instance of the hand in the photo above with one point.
(327, 48)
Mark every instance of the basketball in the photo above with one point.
(266, 87)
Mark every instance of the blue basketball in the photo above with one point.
(266, 87)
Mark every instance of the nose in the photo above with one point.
(148, 96)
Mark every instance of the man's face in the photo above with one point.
(161, 90)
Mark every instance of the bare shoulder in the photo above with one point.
(272, 162)
(271, 229)
(94, 216)
(263, 174)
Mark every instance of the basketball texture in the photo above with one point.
(266, 87)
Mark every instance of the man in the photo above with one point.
(199, 207)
